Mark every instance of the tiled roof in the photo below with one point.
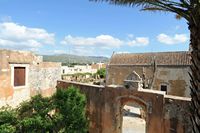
(161, 58)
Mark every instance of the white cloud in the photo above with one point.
(139, 41)
(104, 41)
(13, 35)
(170, 40)
(99, 41)
(101, 44)
(27, 43)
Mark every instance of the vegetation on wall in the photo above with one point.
(63, 112)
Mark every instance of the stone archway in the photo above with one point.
(122, 101)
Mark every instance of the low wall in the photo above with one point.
(104, 109)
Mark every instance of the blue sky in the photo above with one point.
(87, 28)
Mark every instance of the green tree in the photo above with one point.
(70, 104)
(102, 73)
(8, 120)
(34, 115)
(190, 11)
(63, 112)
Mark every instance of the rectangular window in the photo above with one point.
(19, 76)
(63, 70)
(163, 88)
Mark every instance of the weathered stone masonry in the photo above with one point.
(168, 69)
(164, 114)
(39, 77)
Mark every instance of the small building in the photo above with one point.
(98, 66)
(78, 69)
(81, 73)
(23, 74)
(164, 71)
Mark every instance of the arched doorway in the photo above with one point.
(132, 115)
(134, 119)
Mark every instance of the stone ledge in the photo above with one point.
(78, 83)
(177, 98)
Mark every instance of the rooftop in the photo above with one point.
(161, 58)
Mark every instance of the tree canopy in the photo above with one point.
(63, 112)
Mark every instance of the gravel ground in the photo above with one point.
(133, 125)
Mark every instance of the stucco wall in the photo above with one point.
(39, 76)
(175, 77)
(104, 108)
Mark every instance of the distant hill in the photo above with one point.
(67, 59)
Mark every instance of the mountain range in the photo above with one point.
(67, 59)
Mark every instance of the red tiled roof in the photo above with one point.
(161, 58)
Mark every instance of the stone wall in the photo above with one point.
(175, 77)
(43, 78)
(104, 108)
(117, 74)
(40, 76)
(176, 112)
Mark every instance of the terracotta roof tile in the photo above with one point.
(161, 58)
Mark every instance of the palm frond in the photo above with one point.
(127, 2)
(180, 8)
(153, 8)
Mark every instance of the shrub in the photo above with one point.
(8, 120)
(63, 112)
(71, 104)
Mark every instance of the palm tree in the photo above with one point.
(190, 10)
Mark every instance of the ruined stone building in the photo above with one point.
(164, 71)
(23, 74)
